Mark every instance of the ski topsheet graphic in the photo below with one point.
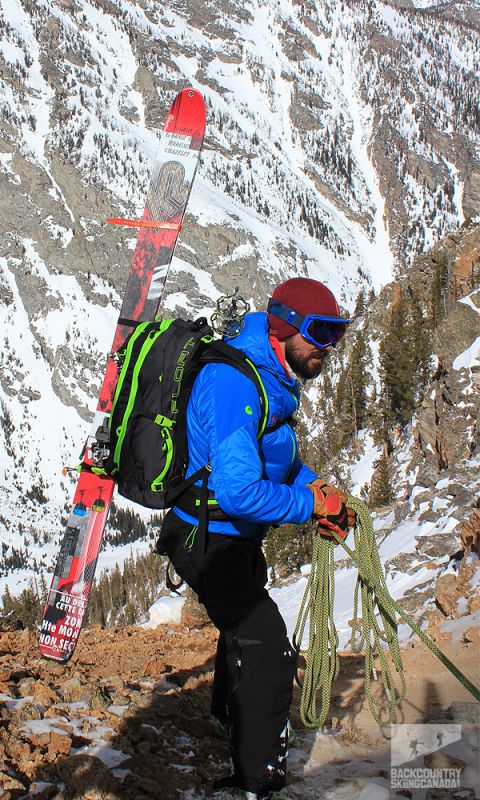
(170, 185)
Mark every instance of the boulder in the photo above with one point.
(24, 712)
(42, 693)
(71, 690)
(155, 666)
(40, 739)
(60, 743)
(9, 784)
(446, 595)
(26, 687)
(95, 697)
(84, 773)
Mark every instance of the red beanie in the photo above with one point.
(305, 296)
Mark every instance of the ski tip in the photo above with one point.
(187, 114)
(191, 93)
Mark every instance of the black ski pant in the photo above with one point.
(255, 663)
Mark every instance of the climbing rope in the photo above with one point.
(374, 627)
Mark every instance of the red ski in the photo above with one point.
(167, 196)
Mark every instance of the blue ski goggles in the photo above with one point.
(318, 329)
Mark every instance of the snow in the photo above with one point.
(164, 610)
(376, 253)
(86, 726)
(109, 558)
(458, 192)
(68, 310)
(470, 357)
(383, 521)
(40, 93)
(6, 166)
(439, 503)
(442, 483)
(35, 727)
(362, 471)
(203, 283)
(11, 702)
(117, 711)
(457, 628)
(468, 300)
(475, 579)
(415, 492)
(109, 755)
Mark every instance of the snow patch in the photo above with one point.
(456, 628)
(165, 610)
(470, 357)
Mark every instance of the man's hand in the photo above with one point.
(329, 507)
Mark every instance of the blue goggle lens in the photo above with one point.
(323, 332)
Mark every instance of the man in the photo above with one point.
(254, 483)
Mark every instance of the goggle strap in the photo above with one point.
(288, 315)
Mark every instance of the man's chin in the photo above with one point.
(315, 365)
(305, 367)
(311, 369)
(314, 373)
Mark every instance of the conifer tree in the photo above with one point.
(359, 379)
(404, 356)
(361, 303)
(288, 548)
(8, 601)
(343, 428)
(440, 287)
(26, 609)
(381, 491)
(122, 596)
(350, 404)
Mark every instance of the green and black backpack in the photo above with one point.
(158, 363)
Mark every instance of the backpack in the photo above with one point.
(158, 363)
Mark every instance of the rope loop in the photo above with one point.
(374, 627)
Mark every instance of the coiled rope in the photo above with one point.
(376, 625)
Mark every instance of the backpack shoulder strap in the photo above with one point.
(222, 353)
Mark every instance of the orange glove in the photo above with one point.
(330, 508)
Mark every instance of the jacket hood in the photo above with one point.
(253, 340)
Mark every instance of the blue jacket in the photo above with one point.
(257, 482)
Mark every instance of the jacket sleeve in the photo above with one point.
(228, 408)
(300, 474)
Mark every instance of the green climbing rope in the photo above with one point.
(376, 626)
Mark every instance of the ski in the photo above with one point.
(170, 184)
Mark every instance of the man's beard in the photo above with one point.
(304, 366)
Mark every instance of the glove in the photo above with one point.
(330, 508)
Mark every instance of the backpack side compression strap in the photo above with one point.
(139, 345)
